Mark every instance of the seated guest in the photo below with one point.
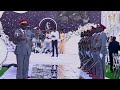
(47, 41)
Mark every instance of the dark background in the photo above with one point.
(67, 20)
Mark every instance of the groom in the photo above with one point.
(55, 38)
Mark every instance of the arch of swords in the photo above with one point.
(111, 19)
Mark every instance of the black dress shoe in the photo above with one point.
(79, 68)
(111, 71)
(52, 56)
(28, 77)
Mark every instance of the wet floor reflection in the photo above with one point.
(54, 72)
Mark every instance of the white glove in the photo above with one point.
(91, 55)
(81, 53)
(88, 53)
(101, 55)
(17, 34)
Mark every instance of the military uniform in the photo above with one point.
(96, 55)
(84, 50)
(89, 51)
(103, 50)
(91, 46)
(100, 48)
(94, 52)
(80, 51)
(23, 51)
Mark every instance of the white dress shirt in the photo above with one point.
(56, 34)
(18, 34)
(21, 31)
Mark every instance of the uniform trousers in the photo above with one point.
(100, 67)
(54, 45)
(22, 66)
(111, 62)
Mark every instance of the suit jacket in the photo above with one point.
(113, 47)
(23, 46)
(102, 40)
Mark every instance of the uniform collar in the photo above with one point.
(101, 32)
(22, 29)
(94, 34)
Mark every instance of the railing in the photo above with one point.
(116, 65)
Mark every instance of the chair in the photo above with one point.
(107, 61)
(116, 65)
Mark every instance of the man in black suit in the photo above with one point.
(113, 49)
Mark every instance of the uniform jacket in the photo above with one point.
(23, 46)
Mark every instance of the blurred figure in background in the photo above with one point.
(113, 48)
(23, 49)
(47, 48)
(55, 38)
(110, 39)
(62, 42)
(36, 41)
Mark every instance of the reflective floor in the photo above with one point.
(43, 66)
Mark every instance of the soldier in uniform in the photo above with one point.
(90, 44)
(80, 50)
(89, 52)
(87, 49)
(94, 51)
(102, 40)
(23, 49)
(84, 49)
